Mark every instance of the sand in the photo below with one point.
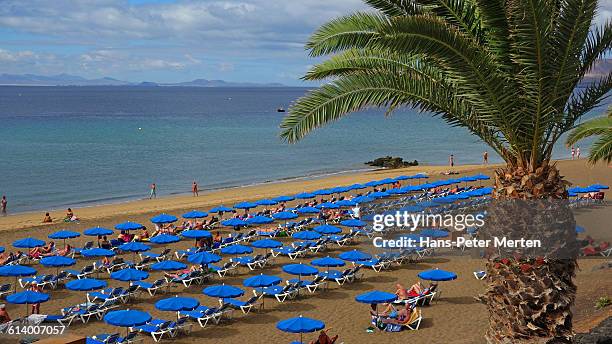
(454, 318)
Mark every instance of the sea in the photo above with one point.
(80, 146)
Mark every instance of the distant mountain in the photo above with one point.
(73, 80)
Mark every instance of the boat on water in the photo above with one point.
(280, 109)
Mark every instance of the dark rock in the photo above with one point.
(603, 266)
(600, 334)
(392, 162)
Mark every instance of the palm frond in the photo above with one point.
(601, 150)
(393, 8)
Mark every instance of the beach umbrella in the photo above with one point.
(260, 281)
(376, 297)
(97, 252)
(266, 243)
(85, 284)
(98, 231)
(346, 203)
(599, 186)
(357, 186)
(306, 235)
(196, 234)
(322, 192)
(134, 247)
(362, 199)
(63, 235)
(305, 195)
(2, 249)
(580, 229)
(168, 265)
(223, 291)
(236, 249)
(308, 210)
(165, 239)
(353, 223)
(328, 262)
(28, 243)
(420, 176)
(195, 214)
(572, 194)
(27, 297)
(372, 183)
(412, 209)
(400, 178)
(434, 233)
(284, 215)
(220, 209)
(428, 204)
(16, 271)
(300, 325)
(339, 189)
(129, 226)
(327, 229)
(177, 304)
(259, 220)
(245, 205)
(300, 270)
(234, 222)
(355, 256)
(57, 261)
(203, 258)
(437, 275)
(386, 181)
(396, 191)
(283, 198)
(481, 176)
(265, 202)
(127, 318)
(163, 218)
(327, 205)
(129, 275)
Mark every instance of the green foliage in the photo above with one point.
(602, 302)
(507, 71)
(601, 150)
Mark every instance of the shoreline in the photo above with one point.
(231, 195)
(225, 195)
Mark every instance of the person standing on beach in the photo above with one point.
(153, 193)
(194, 189)
(573, 152)
(577, 152)
(3, 204)
(451, 160)
(485, 158)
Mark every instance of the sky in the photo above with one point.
(168, 40)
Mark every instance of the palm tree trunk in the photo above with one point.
(530, 290)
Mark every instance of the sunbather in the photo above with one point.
(183, 272)
(47, 218)
(415, 290)
(38, 252)
(4, 316)
(63, 252)
(401, 292)
(324, 338)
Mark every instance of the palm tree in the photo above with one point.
(507, 71)
(601, 150)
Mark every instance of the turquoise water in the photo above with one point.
(72, 146)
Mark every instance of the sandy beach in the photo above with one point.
(455, 317)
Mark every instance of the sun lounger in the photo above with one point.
(116, 264)
(376, 264)
(150, 288)
(103, 338)
(64, 320)
(157, 328)
(280, 293)
(5, 289)
(86, 271)
(105, 295)
(244, 306)
(197, 277)
(180, 254)
(480, 275)
(144, 263)
(180, 326)
(88, 245)
(157, 256)
(311, 286)
(41, 280)
(203, 314)
(223, 270)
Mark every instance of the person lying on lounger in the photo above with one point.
(401, 292)
(184, 272)
(324, 338)
(37, 252)
(63, 252)
(415, 290)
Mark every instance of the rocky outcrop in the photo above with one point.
(391, 162)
